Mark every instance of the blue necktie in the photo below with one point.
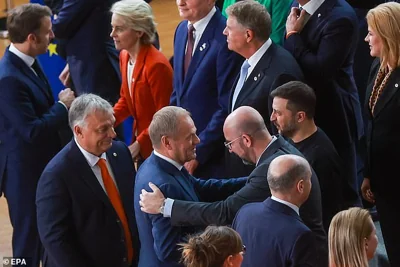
(242, 79)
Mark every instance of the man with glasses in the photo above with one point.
(247, 137)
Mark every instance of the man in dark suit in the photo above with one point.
(249, 138)
(204, 71)
(323, 38)
(85, 194)
(30, 121)
(293, 113)
(92, 60)
(266, 67)
(174, 139)
(273, 231)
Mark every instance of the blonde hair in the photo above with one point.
(384, 20)
(347, 232)
(138, 16)
(212, 247)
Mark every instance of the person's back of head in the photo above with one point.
(352, 238)
(289, 178)
(217, 246)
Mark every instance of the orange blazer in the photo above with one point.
(151, 90)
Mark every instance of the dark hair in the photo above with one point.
(300, 96)
(212, 247)
(24, 20)
(252, 15)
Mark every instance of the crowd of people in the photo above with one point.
(252, 145)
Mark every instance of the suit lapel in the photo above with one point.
(256, 76)
(389, 91)
(272, 148)
(180, 49)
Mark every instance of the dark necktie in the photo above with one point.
(189, 49)
(188, 182)
(36, 67)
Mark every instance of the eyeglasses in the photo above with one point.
(244, 249)
(228, 145)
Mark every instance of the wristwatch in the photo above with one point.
(162, 207)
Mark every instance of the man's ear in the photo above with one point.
(249, 35)
(166, 142)
(247, 140)
(78, 131)
(31, 37)
(301, 116)
(300, 186)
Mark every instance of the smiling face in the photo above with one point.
(375, 43)
(123, 36)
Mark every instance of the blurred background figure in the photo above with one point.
(352, 239)
(146, 73)
(217, 246)
(380, 185)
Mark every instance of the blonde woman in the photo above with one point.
(352, 239)
(217, 246)
(380, 185)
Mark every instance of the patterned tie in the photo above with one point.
(115, 200)
(190, 46)
(243, 74)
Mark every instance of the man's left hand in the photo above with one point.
(295, 22)
(191, 166)
(151, 202)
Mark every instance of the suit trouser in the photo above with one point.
(22, 209)
(388, 210)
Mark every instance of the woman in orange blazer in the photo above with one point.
(146, 73)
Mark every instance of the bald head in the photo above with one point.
(285, 171)
(245, 119)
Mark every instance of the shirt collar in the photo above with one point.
(173, 162)
(253, 60)
(90, 158)
(273, 139)
(312, 6)
(25, 58)
(294, 207)
(201, 25)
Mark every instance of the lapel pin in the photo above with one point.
(396, 85)
(255, 78)
(259, 75)
(114, 154)
(202, 47)
(319, 15)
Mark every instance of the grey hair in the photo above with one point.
(165, 122)
(284, 181)
(138, 16)
(253, 16)
(83, 106)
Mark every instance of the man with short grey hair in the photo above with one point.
(173, 134)
(266, 67)
(84, 196)
(272, 230)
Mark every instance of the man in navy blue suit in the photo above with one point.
(84, 196)
(204, 71)
(323, 38)
(30, 121)
(273, 231)
(173, 134)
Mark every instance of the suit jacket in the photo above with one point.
(255, 190)
(151, 89)
(93, 60)
(325, 51)
(382, 135)
(275, 68)
(204, 91)
(29, 122)
(274, 235)
(77, 223)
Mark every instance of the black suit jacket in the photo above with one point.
(255, 190)
(276, 67)
(382, 137)
(77, 223)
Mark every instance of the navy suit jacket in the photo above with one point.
(84, 26)
(205, 89)
(77, 223)
(325, 51)
(274, 235)
(29, 124)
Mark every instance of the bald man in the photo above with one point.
(247, 137)
(272, 230)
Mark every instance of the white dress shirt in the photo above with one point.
(294, 207)
(200, 27)
(312, 6)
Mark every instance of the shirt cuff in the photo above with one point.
(63, 105)
(168, 207)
